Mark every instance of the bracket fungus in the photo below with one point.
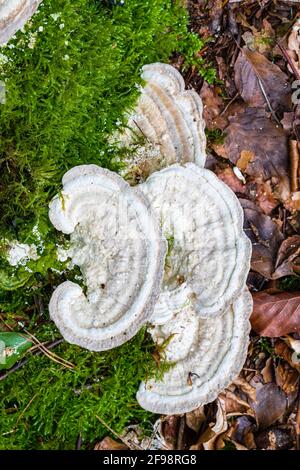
(208, 354)
(13, 15)
(118, 245)
(209, 257)
(169, 117)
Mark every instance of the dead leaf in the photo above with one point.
(288, 258)
(109, 444)
(221, 421)
(242, 431)
(294, 46)
(268, 371)
(287, 378)
(212, 107)
(169, 430)
(251, 131)
(228, 177)
(234, 405)
(195, 419)
(265, 237)
(248, 389)
(256, 76)
(264, 196)
(270, 404)
(246, 157)
(282, 350)
(276, 315)
(274, 439)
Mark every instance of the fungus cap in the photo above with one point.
(209, 255)
(207, 355)
(118, 246)
(13, 15)
(169, 117)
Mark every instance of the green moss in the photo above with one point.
(65, 402)
(70, 77)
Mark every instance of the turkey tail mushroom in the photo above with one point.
(13, 15)
(169, 117)
(118, 246)
(209, 255)
(206, 356)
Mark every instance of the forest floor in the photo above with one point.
(243, 58)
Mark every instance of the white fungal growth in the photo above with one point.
(209, 258)
(169, 117)
(208, 354)
(20, 253)
(118, 245)
(13, 15)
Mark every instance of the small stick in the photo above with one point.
(294, 160)
(24, 361)
(290, 62)
(128, 444)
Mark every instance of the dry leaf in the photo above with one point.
(288, 258)
(256, 76)
(265, 237)
(195, 419)
(282, 350)
(251, 131)
(212, 106)
(274, 439)
(228, 177)
(270, 404)
(109, 444)
(294, 46)
(276, 315)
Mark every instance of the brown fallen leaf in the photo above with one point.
(287, 378)
(264, 196)
(276, 315)
(288, 258)
(169, 430)
(212, 106)
(195, 419)
(109, 444)
(274, 439)
(270, 404)
(266, 142)
(265, 237)
(294, 46)
(242, 431)
(228, 177)
(268, 371)
(261, 83)
(282, 350)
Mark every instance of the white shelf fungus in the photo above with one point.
(169, 118)
(209, 255)
(13, 15)
(208, 355)
(118, 246)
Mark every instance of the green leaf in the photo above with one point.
(12, 347)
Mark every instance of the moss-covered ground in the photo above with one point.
(69, 77)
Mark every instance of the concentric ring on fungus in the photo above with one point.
(209, 255)
(13, 15)
(208, 355)
(118, 245)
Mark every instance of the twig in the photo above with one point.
(54, 357)
(24, 361)
(127, 443)
(228, 104)
(290, 62)
(267, 100)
